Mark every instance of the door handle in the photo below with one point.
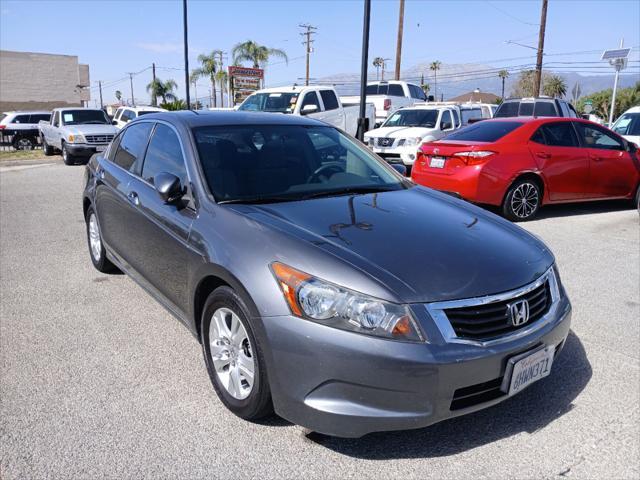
(133, 198)
(596, 158)
(543, 155)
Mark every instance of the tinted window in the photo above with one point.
(164, 155)
(132, 145)
(564, 109)
(469, 113)
(456, 118)
(329, 99)
(21, 119)
(395, 90)
(508, 109)
(412, 118)
(628, 124)
(446, 118)
(538, 137)
(79, 117)
(145, 112)
(310, 99)
(255, 163)
(378, 89)
(595, 137)
(560, 134)
(545, 109)
(117, 115)
(486, 131)
(113, 148)
(526, 109)
(37, 117)
(270, 102)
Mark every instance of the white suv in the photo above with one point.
(20, 129)
(125, 114)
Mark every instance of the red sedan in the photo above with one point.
(520, 164)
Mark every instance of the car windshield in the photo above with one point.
(279, 163)
(83, 117)
(487, 131)
(413, 118)
(628, 124)
(279, 102)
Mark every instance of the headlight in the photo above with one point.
(76, 138)
(414, 141)
(323, 302)
(368, 141)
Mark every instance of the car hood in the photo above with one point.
(400, 132)
(419, 244)
(92, 129)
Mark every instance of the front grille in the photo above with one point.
(98, 138)
(385, 142)
(480, 322)
(476, 394)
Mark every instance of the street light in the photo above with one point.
(618, 60)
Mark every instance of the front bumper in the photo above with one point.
(345, 384)
(404, 155)
(84, 150)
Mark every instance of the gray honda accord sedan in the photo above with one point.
(321, 283)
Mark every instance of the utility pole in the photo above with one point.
(100, 87)
(384, 66)
(154, 100)
(133, 102)
(543, 23)
(309, 30)
(186, 53)
(399, 43)
(362, 121)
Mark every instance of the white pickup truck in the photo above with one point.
(77, 132)
(321, 103)
(390, 96)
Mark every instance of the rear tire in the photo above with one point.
(94, 241)
(23, 143)
(522, 201)
(233, 356)
(46, 148)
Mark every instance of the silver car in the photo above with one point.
(321, 283)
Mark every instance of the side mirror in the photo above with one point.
(445, 126)
(168, 187)
(400, 168)
(307, 109)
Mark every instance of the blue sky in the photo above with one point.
(115, 37)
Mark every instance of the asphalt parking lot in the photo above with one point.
(97, 380)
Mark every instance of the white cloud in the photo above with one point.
(160, 47)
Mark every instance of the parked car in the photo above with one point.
(321, 103)
(388, 96)
(628, 125)
(77, 132)
(476, 111)
(522, 164)
(271, 237)
(124, 115)
(20, 129)
(398, 138)
(536, 107)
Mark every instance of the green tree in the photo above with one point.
(503, 74)
(434, 67)
(601, 101)
(222, 77)
(158, 88)
(554, 86)
(209, 66)
(175, 104)
(257, 55)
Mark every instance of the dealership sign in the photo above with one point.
(244, 81)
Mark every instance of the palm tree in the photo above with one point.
(175, 104)
(222, 77)
(119, 96)
(193, 79)
(378, 62)
(503, 74)
(434, 67)
(158, 88)
(258, 55)
(554, 86)
(209, 67)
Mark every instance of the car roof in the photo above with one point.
(191, 118)
(22, 112)
(635, 109)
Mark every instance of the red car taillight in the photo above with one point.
(387, 103)
(474, 158)
(2, 127)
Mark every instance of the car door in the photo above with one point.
(564, 165)
(115, 207)
(611, 170)
(162, 229)
(53, 135)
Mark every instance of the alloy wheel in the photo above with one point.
(231, 353)
(525, 200)
(94, 237)
(24, 144)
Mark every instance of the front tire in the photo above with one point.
(522, 201)
(67, 158)
(96, 248)
(233, 356)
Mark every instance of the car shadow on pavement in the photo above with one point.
(585, 208)
(529, 411)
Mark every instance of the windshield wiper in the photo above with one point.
(349, 191)
(258, 200)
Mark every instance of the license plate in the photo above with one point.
(101, 148)
(437, 162)
(527, 368)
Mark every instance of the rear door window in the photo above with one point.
(545, 109)
(486, 131)
(21, 119)
(132, 145)
(508, 109)
(38, 117)
(561, 134)
(395, 90)
(329, 99)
